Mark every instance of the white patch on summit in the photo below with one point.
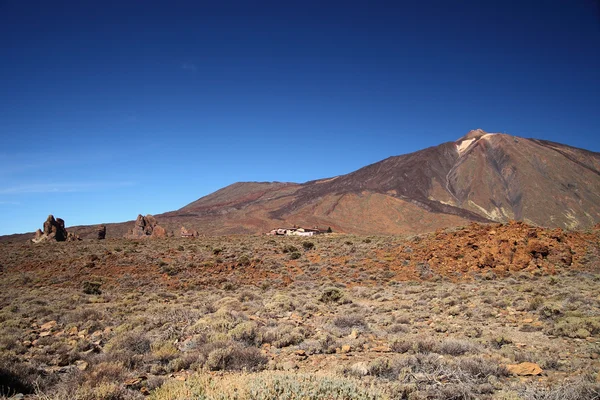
(487, 135)
(464, 145)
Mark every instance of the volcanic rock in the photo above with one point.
(54, 230)
(525, 369)
(159, 232)
(101, 232)
(146, 227)
(188, 232)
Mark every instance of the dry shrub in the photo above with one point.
(350, 321)
(268, 385)
(584, 388)
(231, 357)
(16, 377)
(282, 335)
(133, 342)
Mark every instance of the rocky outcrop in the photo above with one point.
(188, 232)
(159, 232)
(54, 230)
(101, 232)
(146, 226)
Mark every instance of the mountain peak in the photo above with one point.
(473, 134)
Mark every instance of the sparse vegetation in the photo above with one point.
(235, 317)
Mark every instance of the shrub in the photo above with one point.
(331, 295)
(268, 385)
(576, 327)
(132, 342)
(456, 347)
(295, 255)
(349, 321)
(282, 336)
(91, 288)
(244, 261)
(234, 358)
(308, 245)
(579, 389)
(16, 377)
(289, 249)
(245, 332)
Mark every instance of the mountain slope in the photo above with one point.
(481, 177)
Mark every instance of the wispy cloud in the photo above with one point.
(62, 187)
(189, 67)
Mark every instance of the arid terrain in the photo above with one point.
(483, 311)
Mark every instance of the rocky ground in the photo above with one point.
(484, 311)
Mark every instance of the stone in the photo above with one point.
(159, 232)
(54, 230)
(81, 365)
(101, 232)
(525, 369)
(289, 366)
(48, 325)
(346, 348)
(360, 368)
(381, 349)
(132, 382)
(146, 226)
(188, 232)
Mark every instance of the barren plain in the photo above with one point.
(484, 311)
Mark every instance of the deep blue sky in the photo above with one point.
(113, 108)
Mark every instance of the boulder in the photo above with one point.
(188, 232)
(54, 230)
(525, 369)
(101, 232)
(159, 232)
(146, 226)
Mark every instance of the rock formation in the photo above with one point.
(54, 230)
(101, 232)
(146, 227)
(188, 232)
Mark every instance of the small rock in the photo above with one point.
(381, 349)
(525, 369)
(96, 335)
(360, 368)
(48, 325)
(81, 365)
(353, 335)
(46, 333)
(346, 348)
(289, 366)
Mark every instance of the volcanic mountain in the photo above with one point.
(481, 177)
